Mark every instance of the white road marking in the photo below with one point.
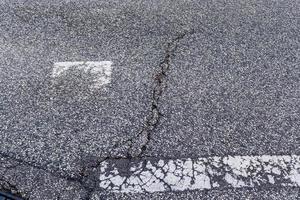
(198, 174)
(100, 70)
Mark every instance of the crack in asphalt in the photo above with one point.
(153, 119)
(137, 144)
(39, 167)
(9, 188)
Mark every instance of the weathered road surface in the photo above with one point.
(150, 99)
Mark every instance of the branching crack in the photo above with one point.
(138, 144)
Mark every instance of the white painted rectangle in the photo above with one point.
(100, 70)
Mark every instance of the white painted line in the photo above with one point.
(101, 71)
(123, 176)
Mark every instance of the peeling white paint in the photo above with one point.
(99, 71)
(201, 173)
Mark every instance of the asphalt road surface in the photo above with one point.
(150, 99)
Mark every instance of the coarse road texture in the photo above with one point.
(150, 99)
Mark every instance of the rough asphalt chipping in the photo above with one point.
(51, 144)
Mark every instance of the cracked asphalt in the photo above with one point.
(190, 79)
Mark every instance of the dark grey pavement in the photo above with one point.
(189, 79)
(233, 91)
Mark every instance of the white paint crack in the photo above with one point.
(199, 174)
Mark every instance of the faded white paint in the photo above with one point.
(201, 173)
(101, 70)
